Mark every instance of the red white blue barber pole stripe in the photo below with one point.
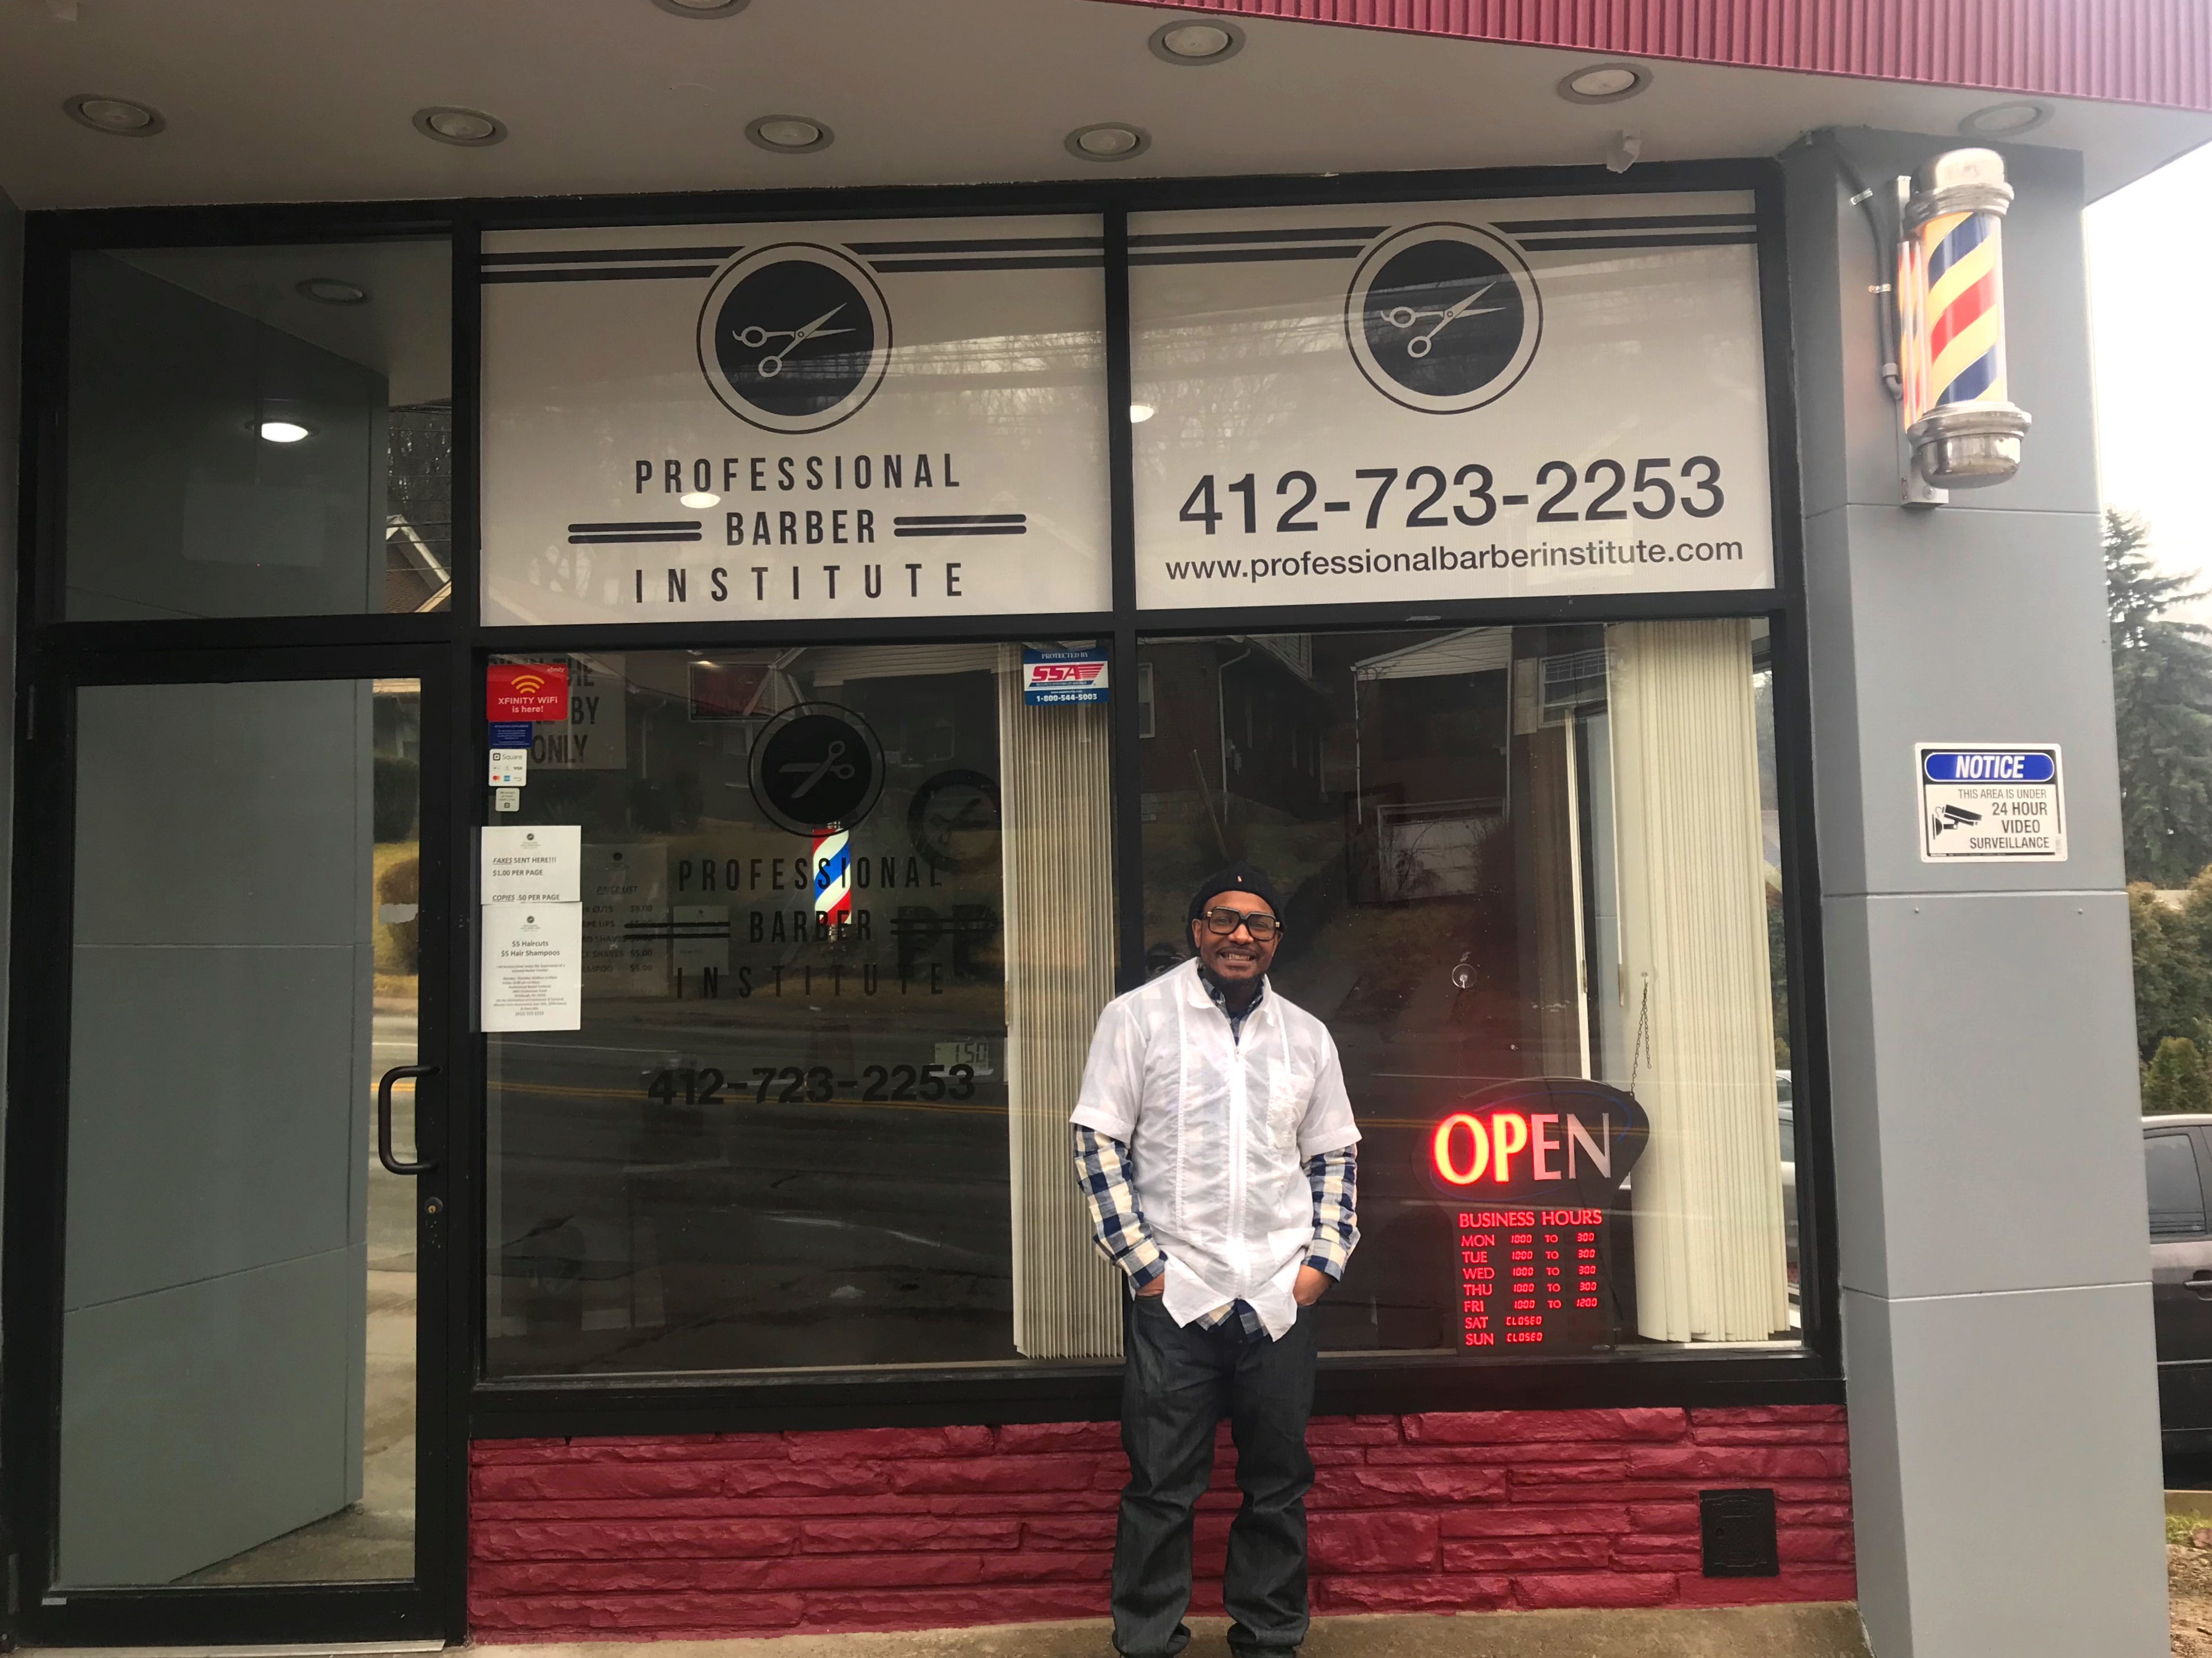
(1965, 311)
(833, 876)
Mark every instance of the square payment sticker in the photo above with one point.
(1991, 803)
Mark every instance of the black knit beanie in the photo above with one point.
(1237, 877)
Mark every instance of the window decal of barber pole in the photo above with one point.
(1964, 429)
(833, 877)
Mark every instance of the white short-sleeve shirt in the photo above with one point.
(1218, 1131)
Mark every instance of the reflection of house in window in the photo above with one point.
(1431, 782)
(1253, 753)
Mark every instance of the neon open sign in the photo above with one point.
(1536, 1167)
(1539, 1140)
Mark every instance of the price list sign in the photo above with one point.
(1537, 1166)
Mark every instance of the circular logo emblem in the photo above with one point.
(1443, 318)
(795, 337)
(817, 767)
(954, 821)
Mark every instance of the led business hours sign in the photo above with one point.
(1535, 1168)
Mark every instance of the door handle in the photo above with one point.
(2201, 1282)
(423, 1167)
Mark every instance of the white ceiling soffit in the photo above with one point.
(278, 100)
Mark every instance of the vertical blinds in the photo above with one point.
(1057, 869)
(1695, 995)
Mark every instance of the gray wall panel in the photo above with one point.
(259, 791)
(218, 1121)
(1884, 1567)
(2004, 1160)
(2021, 1489)
(240, 1064)
(202, 1420)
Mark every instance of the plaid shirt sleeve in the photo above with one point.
(1102, 1166)
(1334, 1177)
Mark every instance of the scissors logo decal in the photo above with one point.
(1405, 317)
(753, 337)
(1443, 318)
(817, 767)
(794, 336)
(815, 771)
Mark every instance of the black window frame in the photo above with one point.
(1027, 1391)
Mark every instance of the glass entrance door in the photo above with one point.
(249, 1130)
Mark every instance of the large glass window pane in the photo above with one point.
(846, 927)
(1511, 852)
(259, 431)
(238, 1329)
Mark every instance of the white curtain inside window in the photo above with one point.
(1695, 1010)
(1057, 863)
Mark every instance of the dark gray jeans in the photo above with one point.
(1176, 1384)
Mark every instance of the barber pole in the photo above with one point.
(1964, 429)
(833, 876)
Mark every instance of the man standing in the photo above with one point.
(1214, 1143)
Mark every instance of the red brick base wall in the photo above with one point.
(907, 1528)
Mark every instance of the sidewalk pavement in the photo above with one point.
(1826, 1630)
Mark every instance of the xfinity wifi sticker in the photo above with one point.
(1991, 804)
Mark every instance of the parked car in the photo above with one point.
(2178, 1171)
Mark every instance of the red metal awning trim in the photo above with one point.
(2129, 51)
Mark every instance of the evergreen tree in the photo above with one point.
(2175, 1080)
(2162, 702)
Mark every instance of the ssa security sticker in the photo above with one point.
(1058, 677)
(1991, 804)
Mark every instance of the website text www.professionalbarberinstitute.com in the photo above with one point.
(1544, 555)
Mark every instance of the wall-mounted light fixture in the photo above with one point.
(1964, 429)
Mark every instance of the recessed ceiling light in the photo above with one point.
(1140, 412)
(1109, 141)
(329, 290)
(699, 501)
(1189, 41)
(789, 135)
(119, 118)
(704, 7)
(284, 431)
(471, 129)
(2004, 120)
(1605, 83)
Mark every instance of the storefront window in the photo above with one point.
(847, 923)
(1511, 853)
(260, 431)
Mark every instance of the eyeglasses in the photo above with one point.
(1261, 926)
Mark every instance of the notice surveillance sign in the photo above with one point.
(1991, 804)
